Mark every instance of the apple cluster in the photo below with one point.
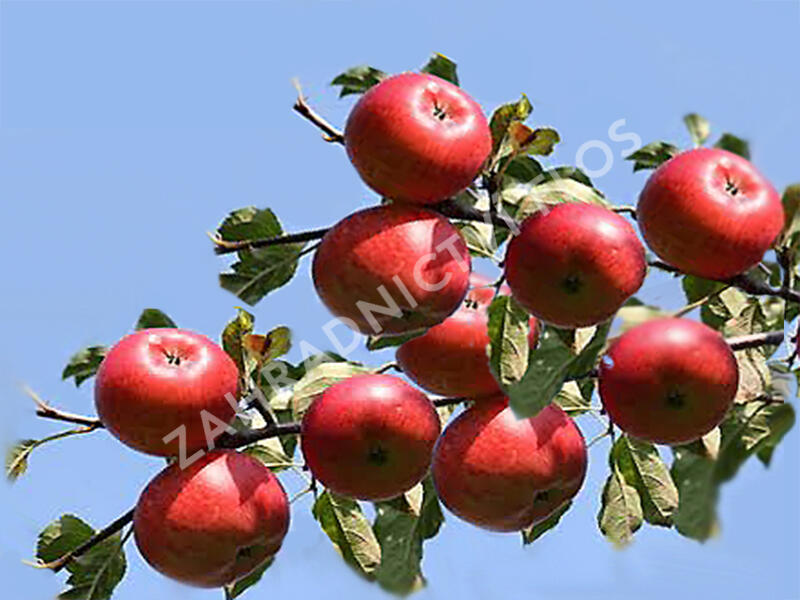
(404, 269)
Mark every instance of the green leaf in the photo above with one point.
(94, 575)
(261, 270)
(790, 237)
(508, 340)
(635, 313)
(714, 312)
(358, 80)
(620, 513)
(642, 467)
(557, 191)
(17, 458)
(547, 369)
(233, 335)
(567, 172)
(479, 238)
(441, 66)
(734, 144)
(692, 473)
(266, 348)
(534, 532)
(245, 583)
(521, 139)
(270, 452)
(524, 168)
(652, 155)
(84, 364)
(698, 127)
(504, 116)
(401, 534)
(345, 524)
(571, 400)
(152, 318)
(379, 342)
(318, 379)
(779, 421)
(588, 349)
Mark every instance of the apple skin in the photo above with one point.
(709, 213)
(417, 138)
(372, 248)
(156, 380)
(575, 265)
(505, 474)
(668, 381)
(370, 437)
(450, 359)
(213, 522)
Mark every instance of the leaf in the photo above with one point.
(379, 342)
(265, 348)
(260, 270)
(401, 535)
(790, 237)
(779, 421)
(94, 575)
(524, 168)
(152, 318)
(696, 516)
(271, 453)
(714, 312)
(620, 514)
(642, 467)
(345, 524)
(571, 400)
(318, 379)
(698, 127)
(17, 458)
(547, 369)
(506, 114)
(441, 66)
(652, 155)
(508, 340)
(534, 532)
(84, 364)
(479, 238)
(358, 80)
(245, 583)
(233, 335)
(635, 313)
(734, 144)
(588, 350)
(521, 139)
(557, 191)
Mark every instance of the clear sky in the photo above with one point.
(129, 129)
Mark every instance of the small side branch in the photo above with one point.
(227, 247)
(440, 402)
(245, 438)
(329, 132)
(46, 411)
(454, 210)
(756, 340)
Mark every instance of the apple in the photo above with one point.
(417, 138)
(668, 381)
(709, 213)
(214, 522)
(451, 358)
(155, 382)
(503, 473)
(370, 436)
(392, 269)
(575, 264)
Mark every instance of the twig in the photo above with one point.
(301, 107)
(629, 210)
(46, 411)
(454, 210)
(755, 340)
(93, 541)
(245, 438)
(226, 247)
(439, 402)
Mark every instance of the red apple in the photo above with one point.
(155, 382)
(451, 358)
(213, 522)
(370, 436)
(417, 138)
(503, 473)
(392, 269)
(668, 381)
(575, 264)
(710, 213)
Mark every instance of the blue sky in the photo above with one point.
(129, 129)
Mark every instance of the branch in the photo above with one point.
(439, 402)
(227, 247)
(330, 133)
(629, 210)
(454, 210)
(755, 340)
(93, 541)
(245, 438)
(46, 411)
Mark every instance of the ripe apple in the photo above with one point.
(574, 265)
(668, 381)
(154, 381)
(451, 358)
(370, 436)
(213, 522)
(503, 473)
(417, 138)
(392, 269)
(710, 213)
